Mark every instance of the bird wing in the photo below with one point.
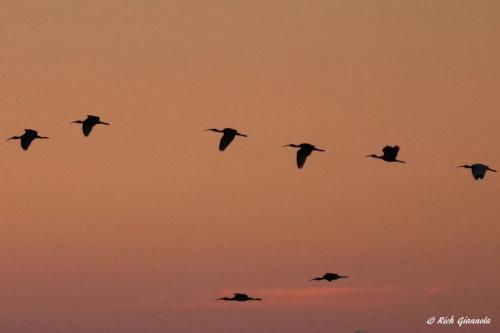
(226, 139)
(87, 127)
(26, 142)
(478, 171)
(395, 150)
(301, 157)
(391, 152)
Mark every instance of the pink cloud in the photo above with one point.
(431, 291)
(304, 296)
(323, 296)
(308, 296)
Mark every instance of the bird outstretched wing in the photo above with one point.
(87, 128)
(391, 152)
(478, 171)
(226, 139)
(26, 142)
(302, 157)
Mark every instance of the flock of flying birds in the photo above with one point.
(390, 154)
(30, 134)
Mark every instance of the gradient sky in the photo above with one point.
(139, 227)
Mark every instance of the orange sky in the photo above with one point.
(140, 226)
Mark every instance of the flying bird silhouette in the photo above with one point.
(238, 298)
(329, 277)
(390, 154)
(305, 150)
(478, 170)
(89, 123)
(227, 138)
(27, 138)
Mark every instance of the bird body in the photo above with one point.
(239, 298)
(390, 154)
(305, 150)
(227, 138)
(89, 123)
(478, 170)
(329, 277)
(27, 138)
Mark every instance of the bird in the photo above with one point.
(478, 170)
(305, 150)
(227, 138)
(390, 154)
(28, 137)
(238, 298)
(329, 277)
(89, 123)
